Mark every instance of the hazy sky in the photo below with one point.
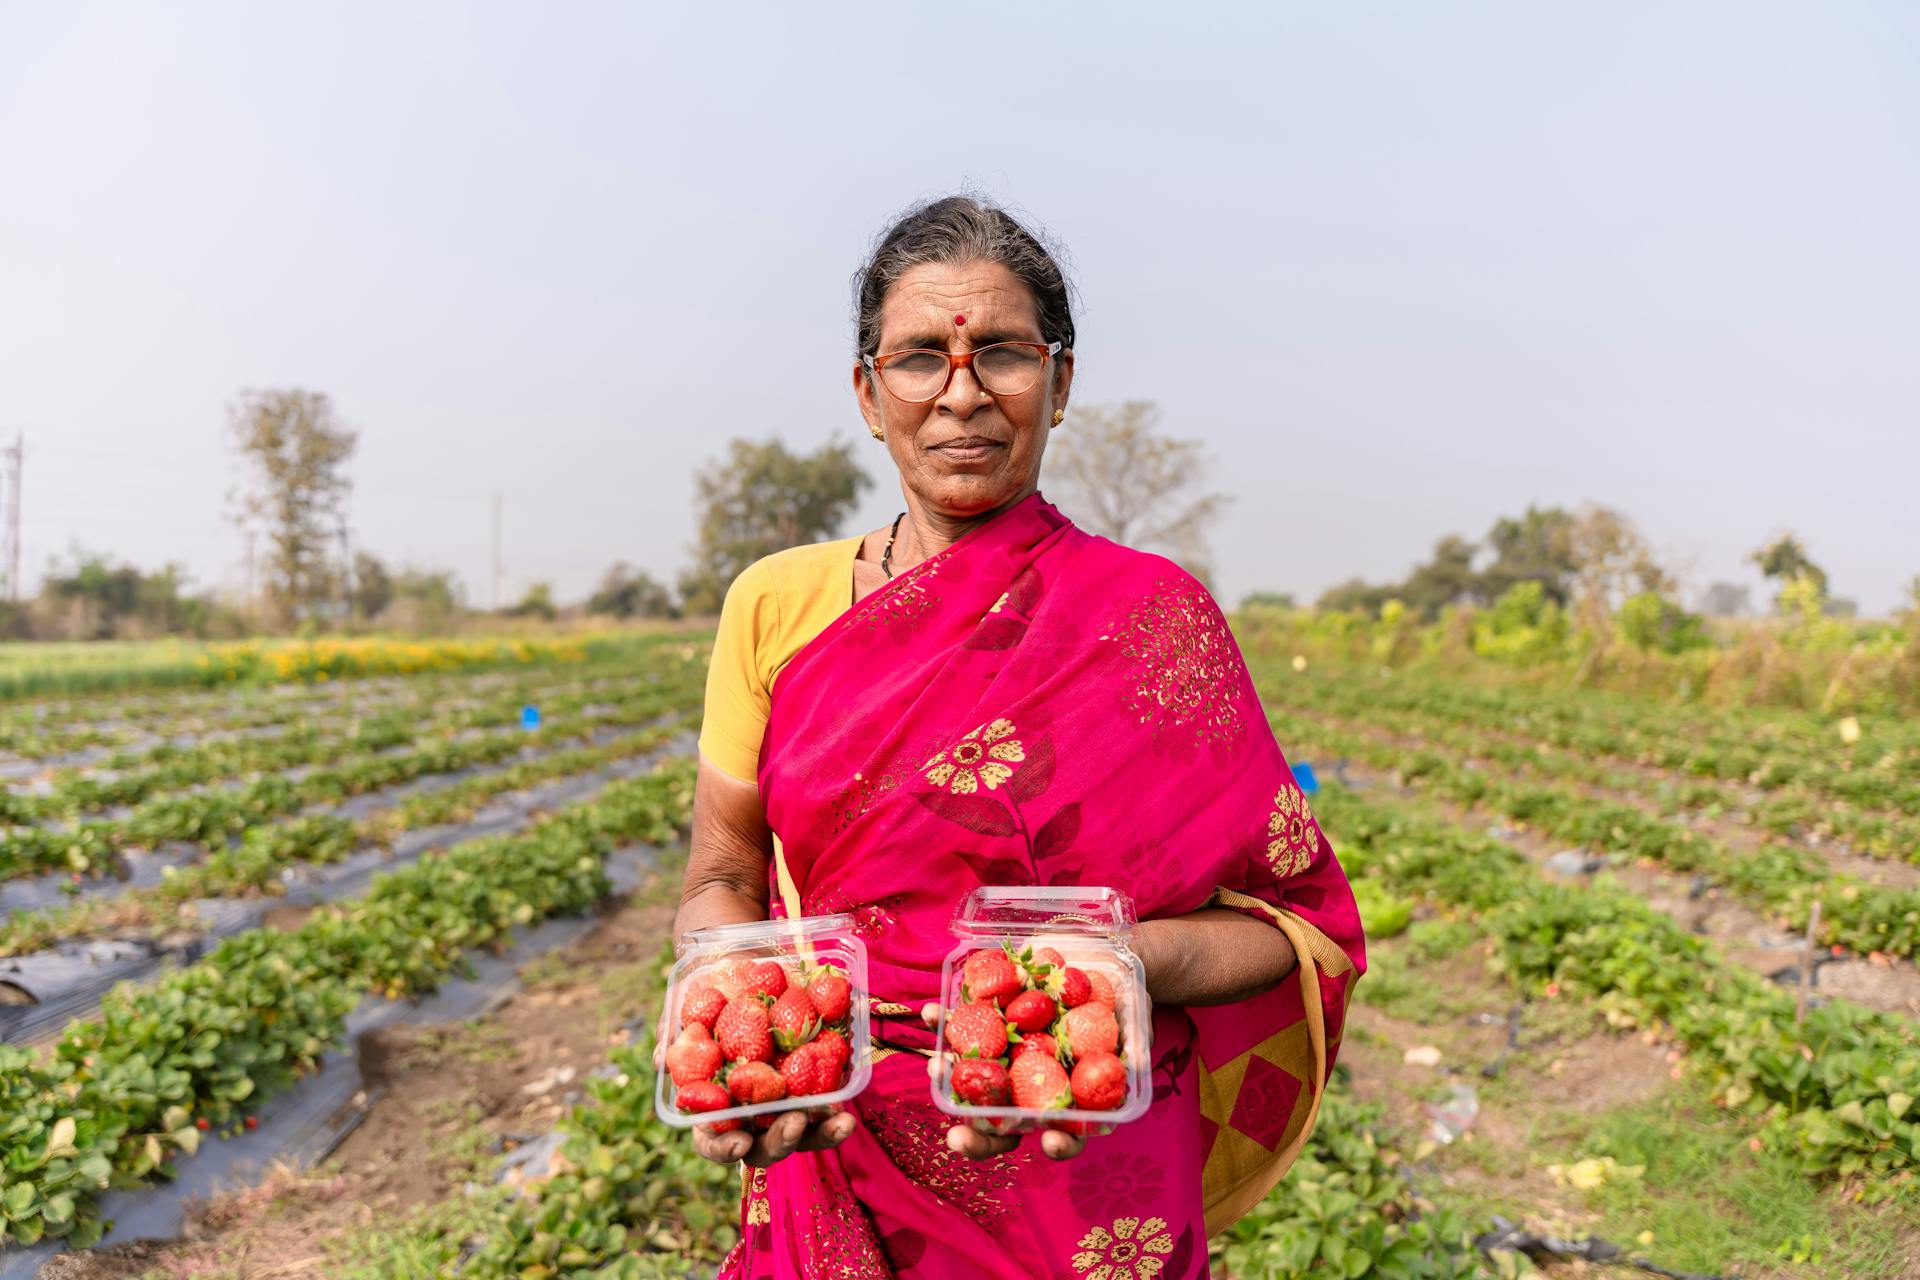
(1404, 266)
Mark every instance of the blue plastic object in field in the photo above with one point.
(529, 717)
(1303, 774)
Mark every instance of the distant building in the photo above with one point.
(1729, 600)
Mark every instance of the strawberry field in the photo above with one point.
(1602, 1022)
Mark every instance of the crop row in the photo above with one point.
(1779, 879)
(1789, 812)
(254, 864)
(1836, 1092)
(76, 791)
(124, 1094)
(211, 817)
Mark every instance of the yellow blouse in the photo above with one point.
(772, 610)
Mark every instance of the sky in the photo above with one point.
(1403, 267)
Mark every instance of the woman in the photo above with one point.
(980, 693)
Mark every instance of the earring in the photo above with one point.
(1059, 416)
(878, 433)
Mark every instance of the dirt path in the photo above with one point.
(444, 1101)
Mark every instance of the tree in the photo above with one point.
(761, 498)
(1536, 547)
(1785, 559)
(1446, 578)
(93, 598)
(625, 592)
(1123, 478)
(372, 586)
(1267, 600)
(536, 603)
(1355, 593)
(293, 454)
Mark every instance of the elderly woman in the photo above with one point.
(981, 693)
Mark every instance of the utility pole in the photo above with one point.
(493, 599)
(15, 455)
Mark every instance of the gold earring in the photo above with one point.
(878, 433)
(1059, 416)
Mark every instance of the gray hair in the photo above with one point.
(958, 229)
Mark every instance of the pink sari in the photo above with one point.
(1037, 705)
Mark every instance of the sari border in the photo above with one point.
(1226, 1205)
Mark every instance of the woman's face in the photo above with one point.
(969, 451)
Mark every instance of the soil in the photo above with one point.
(439, 1098)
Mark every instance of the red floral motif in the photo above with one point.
(1104, 1187)
(1185, 671)
(1265, 1102)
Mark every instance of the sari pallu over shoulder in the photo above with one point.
(1038, 705)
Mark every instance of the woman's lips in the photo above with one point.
(968, 449)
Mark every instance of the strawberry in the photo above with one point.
(253, 1122)
(202, 1124)
(1037, 1042)
(976, 1031)
(753, 1082)
(835, 1046)
(1031, 1011)
(730, 976)
(1075, 988)
(810, 1069)
(1090, 1029)
(981, 1082)
(744, 1032)
(989, 977)
(1102, 988)
(765, 979)
(1048, 956)
(702, 1005)
(1039, 1083)
(830, 995)
(793, 1019)
(1099, 1082)
(703, 1096)
(694, 1056)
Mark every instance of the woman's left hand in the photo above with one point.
(964, 1139)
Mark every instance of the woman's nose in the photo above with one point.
(964, 393)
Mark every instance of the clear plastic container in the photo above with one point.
(1091, 929)
(796, 945)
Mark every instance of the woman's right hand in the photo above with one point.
(790, 1132)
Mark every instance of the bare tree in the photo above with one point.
(293, 453)
(1122, 477)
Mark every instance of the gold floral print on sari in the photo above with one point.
(1183, 674)
(914, 1137)
(758, 1209)
(984, 757)
(1292, 837)
(1128, 1250)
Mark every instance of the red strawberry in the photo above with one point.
(835, 1046)
(703, 1096)
(1038, 1042)
(1090, 1029)
(1048, 956)
(976, 1031)
(744, 1032)
(1075, 989)
(1039, 1083)
(989, 977)
(253, 1122)
(202, 1124)
(752, 1082)
(1031, 1011)
(810, 1069)
(702, 1005)
(1102, 988)
(1099, 1082)
(765, 979)
(981, 1082)
(793, 1019)
(830, 995)
(694, 1056)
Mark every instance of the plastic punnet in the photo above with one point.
(801, 946)
(1091, 928)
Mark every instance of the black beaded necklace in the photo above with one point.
(886, 557)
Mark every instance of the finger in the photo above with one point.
(829, 1133)
(971, 1143)
(721, 1148)
(1061, 1146)
(930, 1014)
(780, 1139)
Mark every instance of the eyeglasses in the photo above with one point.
(920, 376)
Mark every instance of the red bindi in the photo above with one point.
(959, 319)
